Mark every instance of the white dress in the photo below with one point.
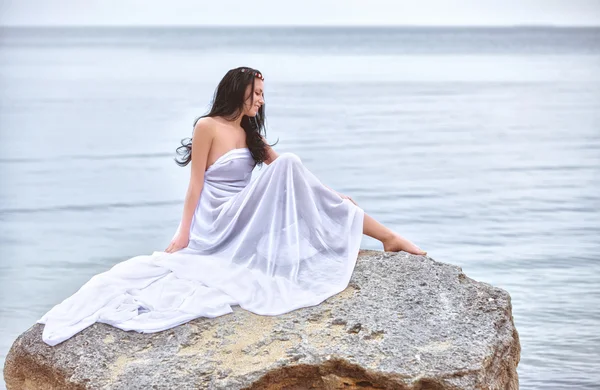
(272, 245)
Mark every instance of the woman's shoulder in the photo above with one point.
(205, 129)
(205, 122)
(214, 123)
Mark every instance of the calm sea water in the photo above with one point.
(482, 146)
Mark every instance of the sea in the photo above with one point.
(480, 145)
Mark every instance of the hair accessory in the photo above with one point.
(256, 74)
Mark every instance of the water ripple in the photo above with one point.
(88, 207)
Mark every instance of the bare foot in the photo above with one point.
(398, 243)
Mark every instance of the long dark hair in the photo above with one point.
(228, 102)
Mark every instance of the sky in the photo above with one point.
(304, 12)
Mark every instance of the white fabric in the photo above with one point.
(272, 245)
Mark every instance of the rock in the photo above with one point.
(404, 322)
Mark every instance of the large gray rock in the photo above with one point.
(404, 322)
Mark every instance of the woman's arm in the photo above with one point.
(271, 153)
(204, 133)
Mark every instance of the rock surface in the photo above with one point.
(404, 322)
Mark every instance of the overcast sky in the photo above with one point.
(303, 12)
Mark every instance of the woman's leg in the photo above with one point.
(392, 242)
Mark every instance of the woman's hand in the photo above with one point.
(347, 197)
(180, 241)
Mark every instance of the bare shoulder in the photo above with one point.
(205, 129)
(202, 140)
(206, 124)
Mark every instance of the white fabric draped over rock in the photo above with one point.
(270, 245)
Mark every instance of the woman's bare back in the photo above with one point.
(227, 137)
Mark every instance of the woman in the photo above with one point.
(271, 245)
(235, 120)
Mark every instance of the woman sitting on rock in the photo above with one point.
(271, 245)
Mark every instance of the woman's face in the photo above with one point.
(253, 103)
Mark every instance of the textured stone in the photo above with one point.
(404, 322)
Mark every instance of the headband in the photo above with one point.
(256, 74)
